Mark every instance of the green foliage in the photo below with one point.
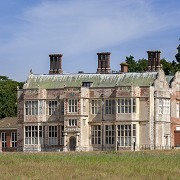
(8, 97)
(170, 68)
(142, 65)
(136, 66)
(167, 66)
(132, 64)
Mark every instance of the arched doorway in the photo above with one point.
(72, 143)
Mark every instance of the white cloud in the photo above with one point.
(78, 27)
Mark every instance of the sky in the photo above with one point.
(30, 30)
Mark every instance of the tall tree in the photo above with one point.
(132, 65)
(8, 97)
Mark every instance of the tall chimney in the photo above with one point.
(153, 60)
(55, 64)
(103, 63)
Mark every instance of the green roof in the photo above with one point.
(98, 80)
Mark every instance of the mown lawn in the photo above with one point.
(91, 165)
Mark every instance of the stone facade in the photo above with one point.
(103, 111)
(175, 110)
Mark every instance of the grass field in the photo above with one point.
(91, 165)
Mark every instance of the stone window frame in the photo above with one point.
(96, 134)
(13, 139)
(72, 122)
(72, 105)
(96, 106)
(126, 105)
(126, 134)
(53, 135)
(33, 134)
(31, 107)
(3, 139)
(109, 134)
(110, 106)
(52, 107)
(84, 122)
(164, 106)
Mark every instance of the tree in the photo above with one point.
(8, 97)
(132, 65)
(167, 66)
(142, 65)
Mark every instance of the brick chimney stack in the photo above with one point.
(55, 64)
(153, 60)
(124, 67)
(103, 63)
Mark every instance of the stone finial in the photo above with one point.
(30, 72)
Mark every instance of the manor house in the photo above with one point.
(99, 111)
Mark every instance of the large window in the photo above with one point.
(13, 139)
(126, 134)
(72, 122)
(53, 140)
(96, 134)
(31, 107)
(32, 134)
(72, 105)
(126, 105)
(109, 134)
(110, 106)
(3, 139)
(96, 106)
(52, 107)
(164, 106)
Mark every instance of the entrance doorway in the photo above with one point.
(72, 143)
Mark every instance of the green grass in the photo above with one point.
(91, 165)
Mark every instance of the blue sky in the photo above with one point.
(32, 29)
